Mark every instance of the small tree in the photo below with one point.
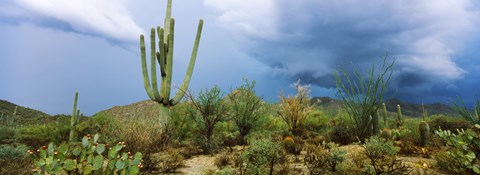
(362, 95)
(245, 108)
(295, 109)
(209, 109)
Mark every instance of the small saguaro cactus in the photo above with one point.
(165, 58)
(399, 116)
(74, 120)
(424, 129)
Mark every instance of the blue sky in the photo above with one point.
(49, 49)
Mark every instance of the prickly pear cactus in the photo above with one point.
(88, 157)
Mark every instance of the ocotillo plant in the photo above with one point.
(385, 114)
(165, 58)
(74, 120)
(399, 116)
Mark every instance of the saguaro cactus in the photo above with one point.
(399, 116)
(385, 115)
(74, 120)
(424, 129)
(165, 59)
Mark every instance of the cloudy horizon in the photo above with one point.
(52, 48)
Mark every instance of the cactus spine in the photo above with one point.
(424, 129)
(74, 120)
(399, 116)
(164, 56)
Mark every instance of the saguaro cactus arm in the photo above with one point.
(191, 65)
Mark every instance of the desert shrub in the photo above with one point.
(168, 161)
(14, 160)
(107, 125)
(32, 135)
(292, 145)
(208, 110)
(222, 160)
(275, 124)
(448, 163)
(151, 138)
(464, 112)
(324, 158)
(362, 95)
(180, 123)
(342, 132)
(7, 134)
(245, 109)
(448, 123)
(260, 157)
(461, 149)
(227, 134)
(295, 109)
(382, 155)
(225, 171)
(316, 123)
(86, 157)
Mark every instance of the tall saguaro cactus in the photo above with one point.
(74, 120)
(164, 56)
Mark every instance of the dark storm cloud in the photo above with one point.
(309, 39)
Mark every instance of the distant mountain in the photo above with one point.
(24, 115)
(408, 109)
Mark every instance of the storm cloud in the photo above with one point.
(309, 39)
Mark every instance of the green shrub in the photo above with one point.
(88, 157)
(168, 161)
(225, 171)
(245, 109)
(260, 157)
(446, 162)
(462, 149)
(208, 109)
(448, 123)
(109, 126)
(227, 134)
(180, 123)
(324, 158)
(382, 156)
(14, 160)
(316, 123)
(32, 135)
(342, 132)
(7, 134)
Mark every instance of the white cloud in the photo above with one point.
(251, 17)
(105, 18)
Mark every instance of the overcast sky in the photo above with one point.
(49, 49)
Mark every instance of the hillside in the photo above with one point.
(408, 109)
(142, 109)
(24, 115)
